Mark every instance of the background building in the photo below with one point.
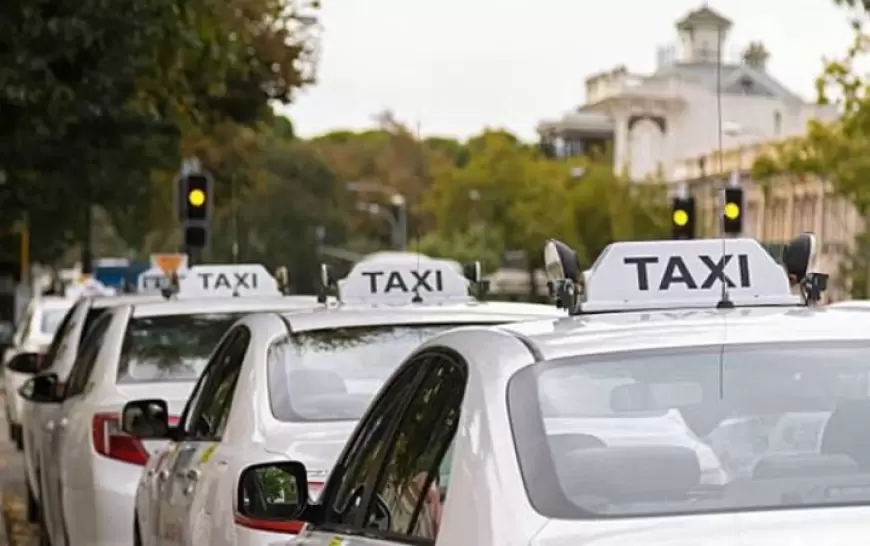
(775, 210)
(651, 123)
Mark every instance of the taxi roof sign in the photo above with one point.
(685, 273)
(399, 280)
(156, 278)
(227, 280)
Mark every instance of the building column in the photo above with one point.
(621, 143)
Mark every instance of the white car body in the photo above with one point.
(37, 420)
(33, 335)
(488, 503)
(186, 496)
(87, 497)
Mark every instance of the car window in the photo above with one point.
(63, 331)
(170, 347)
(359, 463)
(23, 329)
(50, 320)
(197, 397)
(719, 428)
(208, 419)
(87, 357)
(408, 500)
(332, 375)
(90, 318)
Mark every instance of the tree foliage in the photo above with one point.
(95, 97)
(836, 151)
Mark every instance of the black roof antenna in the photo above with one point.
(724, 301)
(417, 298)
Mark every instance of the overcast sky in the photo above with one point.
(457, 66)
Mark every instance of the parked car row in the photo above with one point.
(683, 398)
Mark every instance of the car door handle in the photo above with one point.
(193, 475)
(163, 475)
(49, 426)
(63, 422)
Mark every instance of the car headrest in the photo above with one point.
(803, 465)
(632, 473)
(632, 397)
(315, 383)
(847, 433)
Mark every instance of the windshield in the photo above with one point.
(170, 348)
(332, 375)
(51, 319)
(696, 430)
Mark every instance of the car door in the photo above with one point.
(203, 429)
(157, 482)
(375, 494)
(31, 418)
(75, 388)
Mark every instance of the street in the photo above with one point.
(16, 531)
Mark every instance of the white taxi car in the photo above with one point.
(33, 335)
(131, 351)
(458, 446)
(292, 386)
(38, 420)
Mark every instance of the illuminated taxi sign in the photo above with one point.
(156, 277)
(402, 280)
(236, 280)
(668, 274)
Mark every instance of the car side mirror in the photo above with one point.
(27, 363)
(273, 496)
(41, 389)
(146, 419)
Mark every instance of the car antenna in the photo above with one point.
(417, 298)
(724, 301)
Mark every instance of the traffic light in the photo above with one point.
(195, 200)
(197, 197)
(732, 211)
(683, 218)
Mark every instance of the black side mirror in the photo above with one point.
(41, 389)
(273, 496)
(28, 363)
(146, 419)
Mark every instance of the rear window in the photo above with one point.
(702, 429)
(332, 375)
(50, 320)
(170, 348)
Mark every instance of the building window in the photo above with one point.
(746, 84)
(777, 123)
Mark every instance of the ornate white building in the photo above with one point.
(653, 124)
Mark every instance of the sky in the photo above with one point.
(455, 67)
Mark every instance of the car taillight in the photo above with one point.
(278, 526)
(110, 441)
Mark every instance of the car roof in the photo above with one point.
(608, 333)
(53, 302)
(102, 302)
(163, 307)
(475, 312)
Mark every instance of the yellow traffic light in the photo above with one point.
(196, 198)
(681, 217)
(732, 211)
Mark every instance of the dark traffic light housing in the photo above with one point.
(683, 218)
(195, 201)
(732, 211)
